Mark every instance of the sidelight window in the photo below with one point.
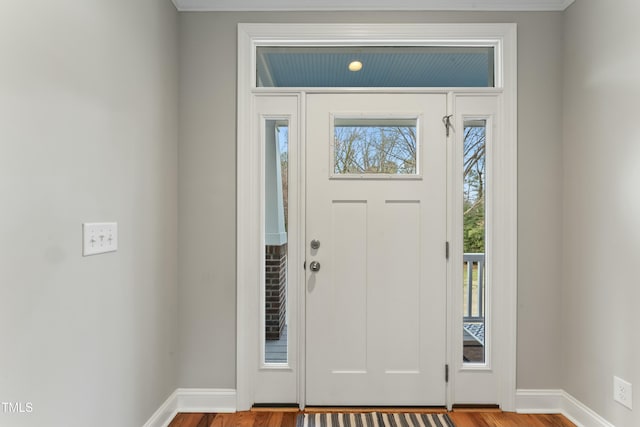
(474, 232)
(276, 241)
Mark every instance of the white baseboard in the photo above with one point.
(193, 400)
(539, 401)
(558, 402)
(527, 402)
(165, 413)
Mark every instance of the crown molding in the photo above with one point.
(383, 5)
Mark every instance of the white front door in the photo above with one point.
(376, 205)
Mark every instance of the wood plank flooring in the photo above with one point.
(287, 418)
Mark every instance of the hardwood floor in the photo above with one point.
(508, 419)
(287, 418)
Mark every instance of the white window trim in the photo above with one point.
(503, 36)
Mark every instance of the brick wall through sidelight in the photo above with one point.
(275, 290)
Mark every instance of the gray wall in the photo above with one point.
(601, 252)
(207, 190)
(88, 132)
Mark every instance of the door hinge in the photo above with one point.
(304, 265)
(446, 373)
(446, 250)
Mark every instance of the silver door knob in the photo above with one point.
(315, 244)
(314, 266)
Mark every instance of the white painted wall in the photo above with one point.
(88, 132)
(601, 287)
(207, 187)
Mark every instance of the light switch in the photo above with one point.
(99, 237)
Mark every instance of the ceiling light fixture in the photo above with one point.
(355, 66)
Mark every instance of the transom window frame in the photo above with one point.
(503, 38)
(252, 36)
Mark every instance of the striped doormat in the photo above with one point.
(374, 419)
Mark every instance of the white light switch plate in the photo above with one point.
(99, 237)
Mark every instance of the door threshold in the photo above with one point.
(275, 407)
(476, 408)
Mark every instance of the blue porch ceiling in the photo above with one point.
(382, 67)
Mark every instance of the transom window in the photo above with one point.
(371, 66)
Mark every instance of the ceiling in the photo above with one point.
(344, 5)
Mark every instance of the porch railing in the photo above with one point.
(474, 284)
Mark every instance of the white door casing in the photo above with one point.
(249, 186)
(376, 309)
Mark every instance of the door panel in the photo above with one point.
(349, 226)
(401, 256)
(376, 308)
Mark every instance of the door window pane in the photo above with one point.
(375, 146)
(375, 66)
(474, 273)
(276, 224)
